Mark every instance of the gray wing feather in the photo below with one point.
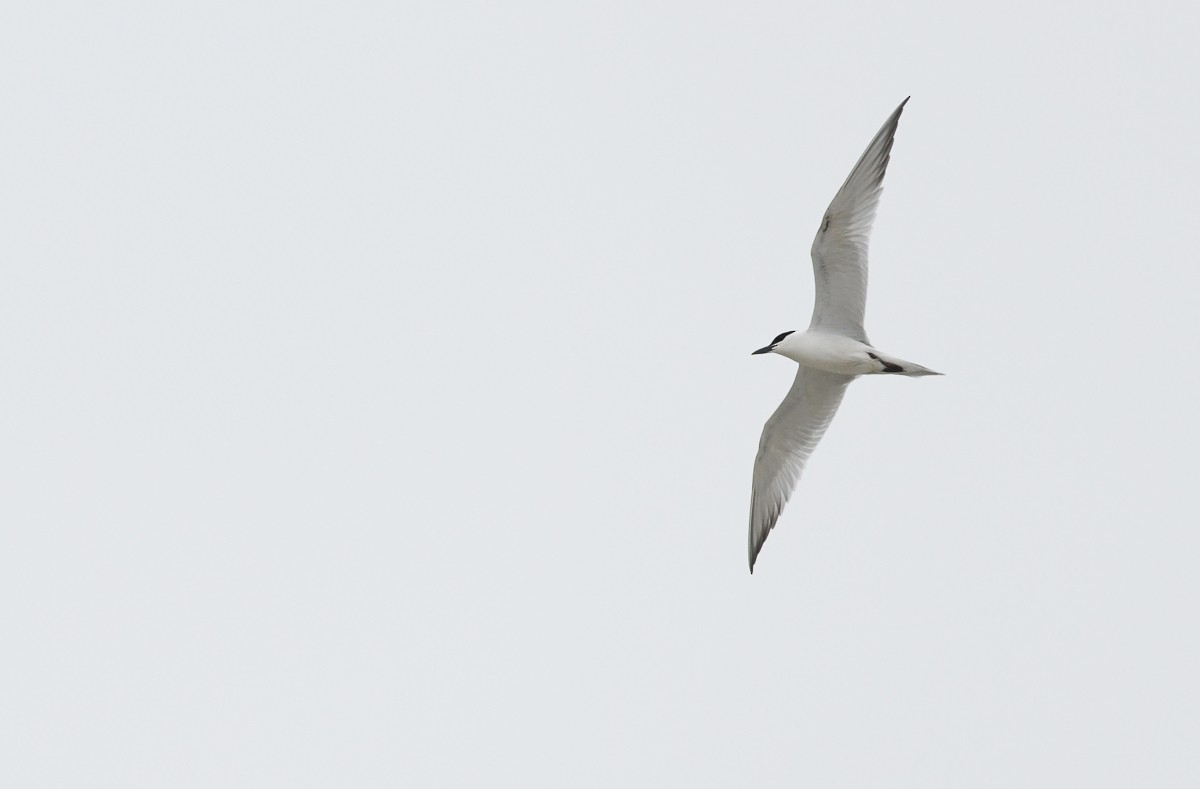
(839, 251)
(788, 438)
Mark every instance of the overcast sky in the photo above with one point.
(378, 406)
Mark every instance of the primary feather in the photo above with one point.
(788, 439)
(839, 250)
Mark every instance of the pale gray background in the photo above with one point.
(377, 405)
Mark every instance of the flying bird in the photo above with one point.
(835, 349)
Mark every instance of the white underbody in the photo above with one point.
(835, 353)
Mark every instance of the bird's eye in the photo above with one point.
(780, 337)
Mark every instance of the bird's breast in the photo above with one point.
(832, 353)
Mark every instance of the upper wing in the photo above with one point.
(839, 251)
(788, 438)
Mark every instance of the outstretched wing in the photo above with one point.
(788, 438)
(839, 252)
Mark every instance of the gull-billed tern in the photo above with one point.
(834, 350)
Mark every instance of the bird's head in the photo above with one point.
(774, 343)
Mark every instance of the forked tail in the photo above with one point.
(890, 364)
